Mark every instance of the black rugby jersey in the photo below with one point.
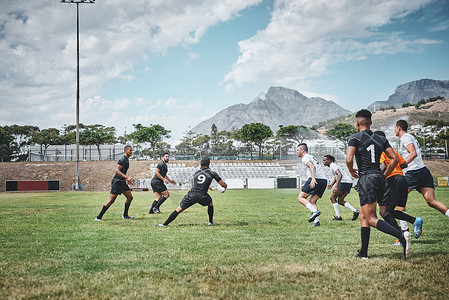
(163, 169)
(369, 147)
(202, 180)
(124, 162)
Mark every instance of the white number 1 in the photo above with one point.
(372, 151)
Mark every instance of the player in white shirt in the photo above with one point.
(315, 184)
(343, 185)
(418, 176)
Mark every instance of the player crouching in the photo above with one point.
(202, 180)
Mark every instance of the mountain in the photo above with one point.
(413, 92)
(280, 106)
(386, 119)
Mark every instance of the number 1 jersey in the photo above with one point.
(369, 147)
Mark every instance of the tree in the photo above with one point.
(214, 139)
(45, 138)
(294, 132)
(153, 135)
(444, 136)
(22, 135)
(255, 133)
(342, 132)
(68, 136)
(97, 135)
(5, 142)
(201, 142)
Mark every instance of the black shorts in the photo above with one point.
(396, 191)
(318, 189)
(192, 198)
(118, 186)
(158, 186)
(344, 187)
(371, 188)
(421, 178)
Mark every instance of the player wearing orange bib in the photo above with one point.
(395, 195)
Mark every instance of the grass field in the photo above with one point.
(262, 247)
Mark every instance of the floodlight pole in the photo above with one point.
(77, 183)
(280, 143)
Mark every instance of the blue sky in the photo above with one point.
(176, 63)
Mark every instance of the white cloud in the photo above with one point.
(38, 48)
(304, 38)
(441, 26)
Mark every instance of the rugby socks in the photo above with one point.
(337, 211)
(447, 213)
(392, 221)
(387, 228)
(152, 206)
(310, 207)
(347, 205)
(173, 216)
(125, 213)
(365, 233)
(404, 225)
(103, 210)
(401, 215)
(159, 203)
(210, 212)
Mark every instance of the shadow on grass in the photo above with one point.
(215, 224)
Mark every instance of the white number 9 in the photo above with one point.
(201, 178)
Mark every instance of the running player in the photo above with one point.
(198, 194)
(367, 148)
(315, 184)
(119, 185)
(418, 176)
(158, 182)
(343, 185)
(396, 196)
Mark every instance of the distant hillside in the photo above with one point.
(281, 106)
(413, 92)
(438, 110)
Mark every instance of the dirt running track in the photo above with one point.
(97, 175)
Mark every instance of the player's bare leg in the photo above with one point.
(336, 195)
(429, 196)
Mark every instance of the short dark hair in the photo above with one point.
(127, 147)
(205, 162)
(364, 114)
(304, 146)
(403, 124)
(380, 132)
(330, 157)
(165, 153)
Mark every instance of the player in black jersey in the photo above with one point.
(119, 185)
(158, 182)
(198, 193)
(367, 148)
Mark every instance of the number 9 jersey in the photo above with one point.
(202, 180)
(369, 147)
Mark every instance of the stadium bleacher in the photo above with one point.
(238, 172)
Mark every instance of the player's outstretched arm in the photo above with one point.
(223, 184)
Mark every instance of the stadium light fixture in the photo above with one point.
(76, 187)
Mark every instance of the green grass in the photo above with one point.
(261, 248)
